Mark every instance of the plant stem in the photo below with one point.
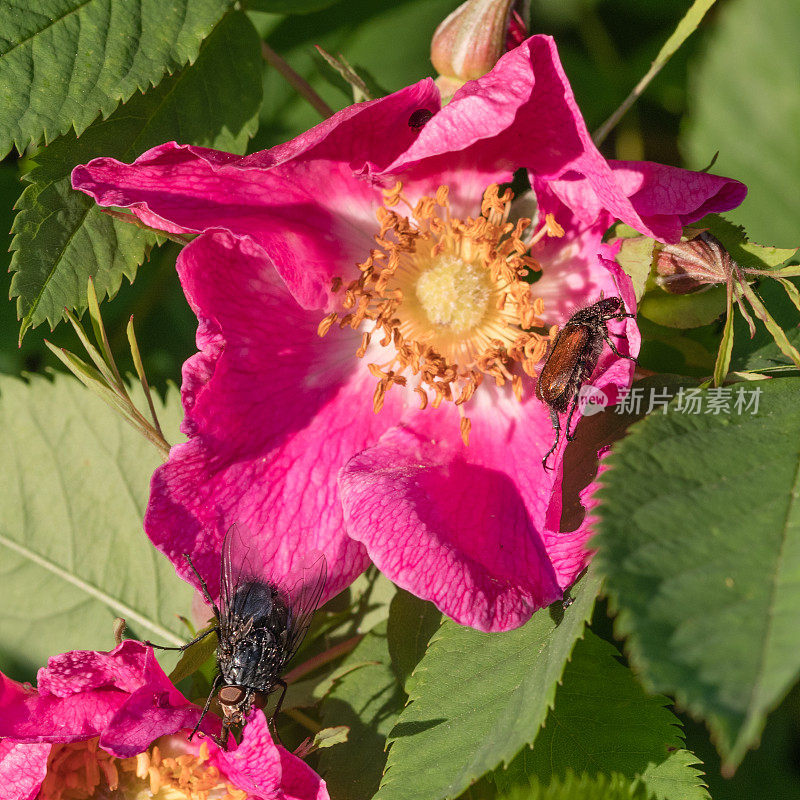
(323, 658)
(303, 719)
(684, 29)
(300, 85)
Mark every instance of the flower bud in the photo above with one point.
(693, 265)
(471, 40)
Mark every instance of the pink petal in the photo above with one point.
(83, 670)
(272, 410)
(155, 709)
(299, 781)
(267, 771)
(524, 114)
(311, 232)
(365, 135)
(123, 696)
(459, 526)
(53, 719)
(22, 769)
(149, 714)
(79, 692)
(665, 198)
(314, 216)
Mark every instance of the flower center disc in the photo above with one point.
(453, 294)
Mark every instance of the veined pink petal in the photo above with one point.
(79, 671)
(313, 214)
(265, 770)
(315, 219)
(460, 526)
(154, 709)
(665, 198)
(300, 782)
(85, 693)
(273, 412)
(523, 114)
(22, 769)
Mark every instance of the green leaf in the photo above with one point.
(723, 362)
(367, 700)
(744, 103)
(194, 657)
(477, 698)
(412, 622)
(699, 544)
(289, 6)
(73, 555)
(598, 787)
(602, 722)
(683, 310)
(761, 352)
(63, 63)
(62, 237)
(328, 737)
(635, 256)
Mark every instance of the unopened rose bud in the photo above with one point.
(471, 40)
(693, 265)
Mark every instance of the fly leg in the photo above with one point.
(203, 586)
(205, 709)
(284, 686)
(182, 647)
(557, 428)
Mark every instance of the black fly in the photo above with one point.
(261, 621)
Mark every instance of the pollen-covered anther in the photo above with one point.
(447, 299)
(81, 770)
(186, 775)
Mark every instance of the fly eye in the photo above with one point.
(259, 699)
(231, 695)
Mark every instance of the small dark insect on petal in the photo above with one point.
(419, 118)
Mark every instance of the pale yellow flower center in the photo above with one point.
(83, 771)
(454, 294)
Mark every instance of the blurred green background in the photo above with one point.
(733, 88)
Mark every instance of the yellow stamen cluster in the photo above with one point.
(81, 770)
(448, 296)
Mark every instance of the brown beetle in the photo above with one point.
(572, 359)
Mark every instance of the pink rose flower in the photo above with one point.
(375, 231)
(114, 721)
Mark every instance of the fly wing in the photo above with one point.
(240, 564)
(248, 561)
(304, 589)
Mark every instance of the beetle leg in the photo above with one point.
(557, 427)
(613, 347)
(573, 405)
